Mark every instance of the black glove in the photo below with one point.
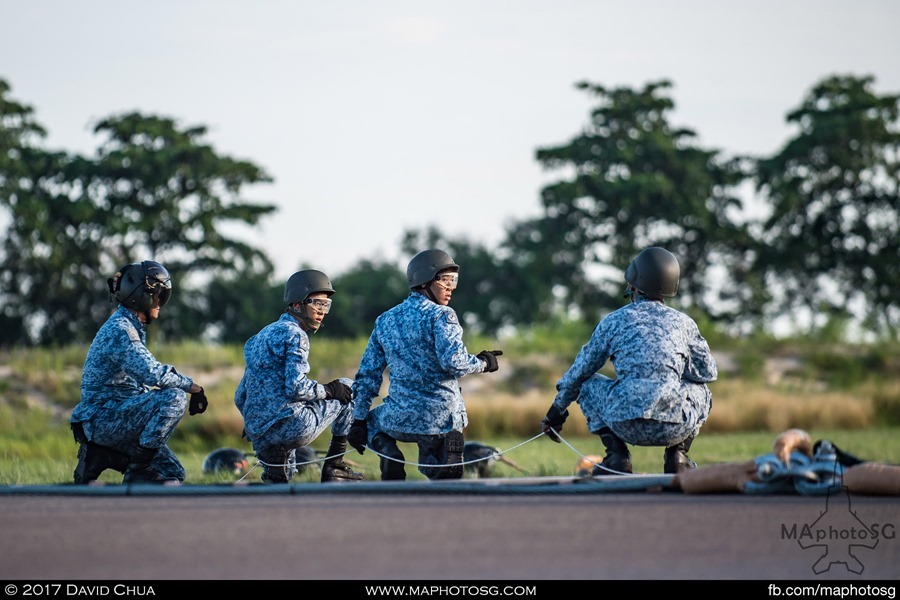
(198, 402)
(490, 359)
(359, 435)
(338, 390)
(554, 422)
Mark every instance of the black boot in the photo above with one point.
(277, 466)
(452, 453)
(93, 459)
(140, 469)
(334, 468)
(676, 459)
(618, 458)
(391, 470)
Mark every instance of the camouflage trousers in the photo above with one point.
(695, 401)
(146, 420)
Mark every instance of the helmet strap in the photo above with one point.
(302, 316)
(635, 294)
(426, 290)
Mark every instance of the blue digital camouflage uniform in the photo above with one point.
(659, 395)
(128, 398)
(420, 342)
(283, 409)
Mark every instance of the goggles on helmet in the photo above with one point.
(448, 281)
(321, 305)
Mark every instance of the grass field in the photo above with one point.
(849, 395)
(535, 456)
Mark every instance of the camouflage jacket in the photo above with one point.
(420, 343)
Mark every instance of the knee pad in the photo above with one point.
(449, 452)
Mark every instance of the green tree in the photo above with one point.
(833, 238)
(362, 293)
(48, 257)
(240, 304)
(632, 180)
(166, 194)
(153, 191)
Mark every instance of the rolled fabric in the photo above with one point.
(873, 478)
(716, 479)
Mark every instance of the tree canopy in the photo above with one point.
(833, 237)
(827, 246)
(154, 190)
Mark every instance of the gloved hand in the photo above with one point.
(198, 403)
(338, 390)
(359, 435)
(490, 359)
(554, 422)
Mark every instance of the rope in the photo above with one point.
(293, 464)
(463, 463)
(437, 466)
(584, 457)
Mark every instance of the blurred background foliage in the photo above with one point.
(821, 254)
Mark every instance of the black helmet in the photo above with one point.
(303, 283)
(225, 460)
(135, 285)
(655, 272)
(425, 265)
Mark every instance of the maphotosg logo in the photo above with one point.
(839, 535)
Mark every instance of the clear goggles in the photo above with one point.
(448, 281)
(321, 305)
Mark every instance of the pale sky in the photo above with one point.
(378, 116)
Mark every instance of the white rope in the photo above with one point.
(584, 457)
(463, 463)
(290, 464)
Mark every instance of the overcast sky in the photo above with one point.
(377, 116)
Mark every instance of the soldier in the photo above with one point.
(420, 342)
(130, 402)
(660, 395)
(283, 408)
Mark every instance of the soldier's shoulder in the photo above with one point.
(118, 326)
(447, 314)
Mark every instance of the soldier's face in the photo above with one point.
(152, 314)
(442, 287)
(314, 312)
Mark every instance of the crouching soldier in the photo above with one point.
(130, 402)
(283, 408)
(419, 342)
(660, 395)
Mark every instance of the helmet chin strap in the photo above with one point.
(426, 289)
(143, 316)
(308, 325)
(632, 293)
